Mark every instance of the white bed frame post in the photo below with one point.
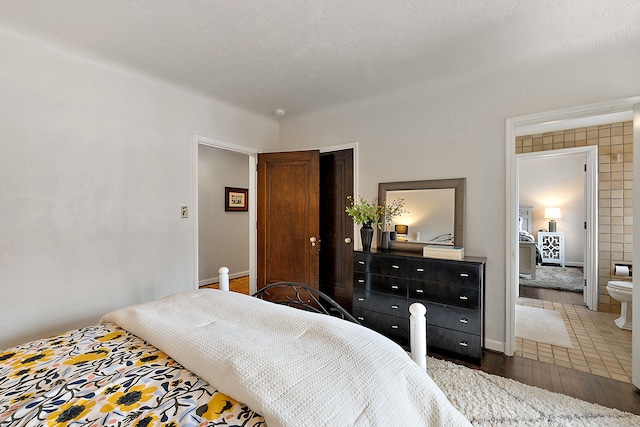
(418, 334)
(223, 278)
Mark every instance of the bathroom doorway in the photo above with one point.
(552, 118)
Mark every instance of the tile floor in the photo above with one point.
(599, 346)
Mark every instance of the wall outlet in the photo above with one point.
(184, 211)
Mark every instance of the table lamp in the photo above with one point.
(552, 214)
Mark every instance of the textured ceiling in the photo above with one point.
(301, 55)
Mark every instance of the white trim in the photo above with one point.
(252, 154)
(635, 345)
(511, 187)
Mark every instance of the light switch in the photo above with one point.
(185, 212)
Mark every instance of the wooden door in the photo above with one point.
(288, 218)
(336, 227)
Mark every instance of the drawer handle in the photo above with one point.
(394, 326)
(420, 270)
(360, 299)
(360, 280)
(420, 291)
(463, 298)
(395, 307)
(394, 286)
(360, 318)
(361, 262)
(395, 266)
(464, 344)
(464, 275)
(463, 320)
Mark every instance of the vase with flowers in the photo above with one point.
(389, 212)
(365, 214)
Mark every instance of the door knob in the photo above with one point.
(313, 240)
(347, 240)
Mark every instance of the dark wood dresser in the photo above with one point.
(386, 283)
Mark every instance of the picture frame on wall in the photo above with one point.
(236, 199)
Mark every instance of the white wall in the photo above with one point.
(456, 128)
(223, 237)
(95, 162)
(557, 182)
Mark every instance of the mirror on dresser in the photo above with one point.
(436, 209)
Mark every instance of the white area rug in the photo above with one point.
(490, 400)
(537, 324)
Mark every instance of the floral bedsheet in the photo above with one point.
(104, 376)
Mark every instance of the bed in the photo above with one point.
(212, 357)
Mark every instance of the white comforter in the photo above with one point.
(295, 368)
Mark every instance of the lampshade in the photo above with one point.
(552, 213)
(402, 229)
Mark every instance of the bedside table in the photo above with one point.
(551, 247)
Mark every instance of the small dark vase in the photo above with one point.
(366, 234)
(386, 237)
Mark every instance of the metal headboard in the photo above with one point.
(303, 297)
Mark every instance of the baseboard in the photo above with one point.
(494, 345)
(574, 264)
(212, 280)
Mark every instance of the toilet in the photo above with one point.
(623, 292)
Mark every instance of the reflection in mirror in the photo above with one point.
(430, 215)
(435, 211)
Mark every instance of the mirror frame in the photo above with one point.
(457, 184)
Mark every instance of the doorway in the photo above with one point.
(621, 106)
(252, 159)
(553, 120)
(304, 233)
(564, 180)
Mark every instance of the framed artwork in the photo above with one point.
(236, 199)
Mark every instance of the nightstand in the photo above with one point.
(551, 246)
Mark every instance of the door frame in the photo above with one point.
(591, 213)
(512, 184)
(252, 154)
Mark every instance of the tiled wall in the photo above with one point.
(615, 186)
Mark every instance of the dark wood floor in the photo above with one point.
(581, 385)
(575, 298)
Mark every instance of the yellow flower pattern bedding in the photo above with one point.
(104, 376)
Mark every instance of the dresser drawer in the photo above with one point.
(454, 273)
(385, 265)
(396, 328)
(386, 284)
(444, 294)
(456, 318)
(381, 303)
(460, 343)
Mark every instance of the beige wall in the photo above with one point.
(223, 237)
(615, 185)
(95, 164)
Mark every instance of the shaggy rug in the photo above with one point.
(553, 277)
(540, 325)
(490, 400)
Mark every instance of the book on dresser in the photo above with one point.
(443, 252)
(386, 283)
